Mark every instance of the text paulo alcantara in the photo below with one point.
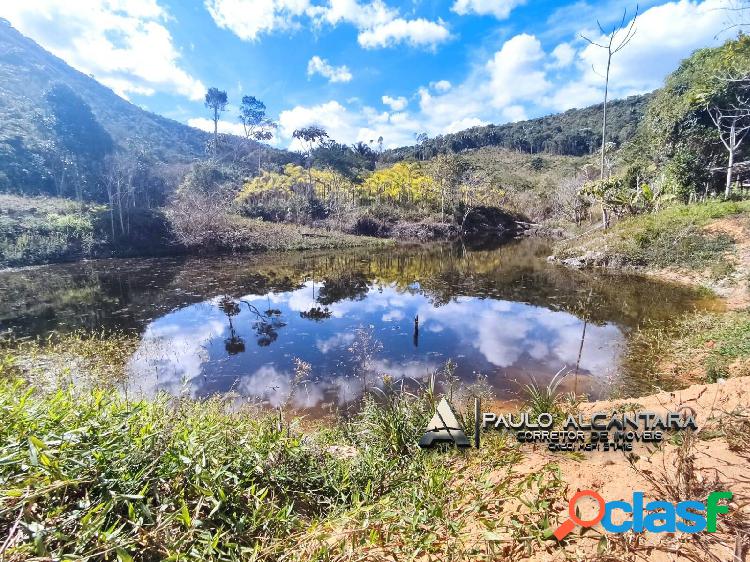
(599, 431)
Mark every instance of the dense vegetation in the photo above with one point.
(680, 136)
(111, 478)
(65, 134)
(575, 132)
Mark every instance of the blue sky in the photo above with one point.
(367, 68)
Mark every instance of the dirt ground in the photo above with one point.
(718, 458)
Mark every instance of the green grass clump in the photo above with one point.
(707, 345)
(725, 339)
(89, 474)
(670, 237)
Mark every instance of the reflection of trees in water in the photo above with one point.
(129, 293)
(316, 313)
(352, 285)
(267, 323)
(265, 326)
(125, 294)
(234, 344)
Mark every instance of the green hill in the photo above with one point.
(575, 132)
(58, 125)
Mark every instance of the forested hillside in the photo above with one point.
(59, 125)
(575, 132)
(63, 132)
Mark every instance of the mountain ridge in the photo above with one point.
(41, 141)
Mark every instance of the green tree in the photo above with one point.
(216, 101)
(256, 124)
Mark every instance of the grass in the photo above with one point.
(672, 237)
(42, 229)
(698, 347)
(723, 341)
(87, 474)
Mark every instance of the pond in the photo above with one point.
(242, 324)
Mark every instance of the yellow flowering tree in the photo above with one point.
(401, 183)
(295, 180)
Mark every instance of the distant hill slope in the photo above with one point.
(54, 116)
(58, 127)
(575, 132)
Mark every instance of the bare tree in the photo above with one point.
(613, 42)
(568, 199)
(117, 175)
(199, 217)
(733, 125)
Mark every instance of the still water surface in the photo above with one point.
(221, 324)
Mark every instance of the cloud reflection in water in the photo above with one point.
(184, 349)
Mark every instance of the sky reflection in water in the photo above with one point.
(194, 350)
(236, 323)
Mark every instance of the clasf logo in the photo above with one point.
(662, 516)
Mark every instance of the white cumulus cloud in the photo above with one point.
(519, 80)
(247, 19)
(564, 54)
(396, 104)
(501, 9)
(417, 33)
(321, 66)
(125, 45)
(516, 71)
(441, 85)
